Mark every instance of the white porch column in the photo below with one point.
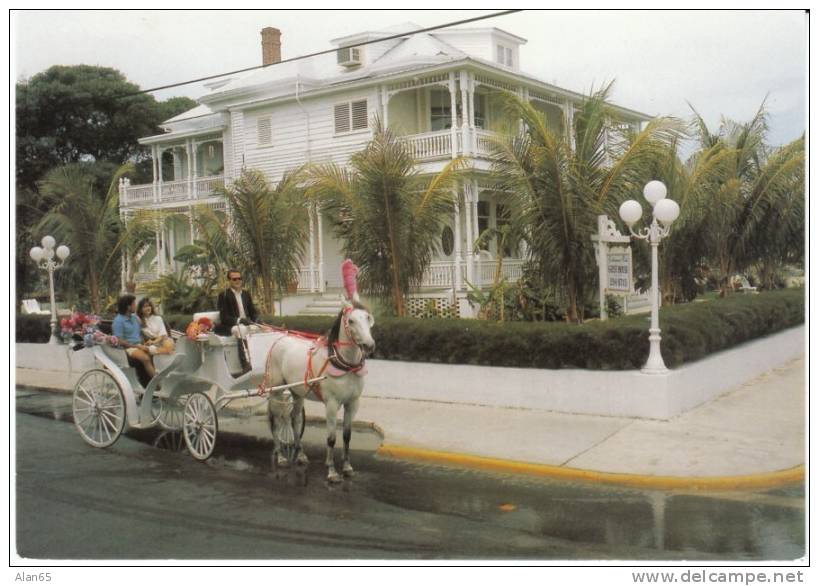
(453, 110)
(310, 213)
(475, 233)
(171, 246)
(160, 151)
(123, 254)
(473, 144)
(320, 250)
(465, 112)
(154, 172)
(194, 148)
(190, 169)
(470, 276)
(385, 104)
(158, 237)
(459, 284)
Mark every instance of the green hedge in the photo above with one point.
(690, 331)
(33, 328)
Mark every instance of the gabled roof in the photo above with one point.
(414, 52)
(423, 46)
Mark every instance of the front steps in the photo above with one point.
(325, 304)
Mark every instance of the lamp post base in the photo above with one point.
(655, 363)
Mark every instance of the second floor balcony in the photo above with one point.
(151, 195)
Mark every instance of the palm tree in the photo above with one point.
(388, 216)
(88, 222)
(266, 232)
(560, 181)
(751, 191)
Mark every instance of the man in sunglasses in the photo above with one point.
(236, 312)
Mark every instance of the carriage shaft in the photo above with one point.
(228, 397)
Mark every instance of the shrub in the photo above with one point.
(690, 331)
(33, 328)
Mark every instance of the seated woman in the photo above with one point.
(153, 328)
(127, 328)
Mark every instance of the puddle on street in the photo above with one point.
(761, 524)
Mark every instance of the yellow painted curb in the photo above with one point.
(766, 480)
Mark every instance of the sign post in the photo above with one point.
(614, 264)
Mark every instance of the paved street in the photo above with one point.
(138, 501)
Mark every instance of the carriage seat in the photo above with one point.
(215, 339)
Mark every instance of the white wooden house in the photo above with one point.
(435, 89)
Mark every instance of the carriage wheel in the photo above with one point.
(99, 408)
(200, 426)
(170, 416)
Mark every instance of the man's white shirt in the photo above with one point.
(239, 303)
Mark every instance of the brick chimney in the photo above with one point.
(271, 45)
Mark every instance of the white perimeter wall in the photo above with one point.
(609, 393)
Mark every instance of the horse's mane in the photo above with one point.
(332, 335)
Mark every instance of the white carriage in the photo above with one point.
(190, 387)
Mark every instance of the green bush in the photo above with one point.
(690, 331)
(33, 328)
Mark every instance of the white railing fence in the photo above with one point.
(430, 145)
(170, 191)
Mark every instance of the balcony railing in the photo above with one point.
(430, 145)
(484, 142)
(441, 274)
(149, 194)
(308, 279)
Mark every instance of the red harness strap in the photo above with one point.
(308, 373)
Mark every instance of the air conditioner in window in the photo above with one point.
(349, 56)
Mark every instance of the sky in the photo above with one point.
(724, 63)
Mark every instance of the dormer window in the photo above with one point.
(504, 55)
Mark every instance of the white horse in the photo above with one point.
(339, 356)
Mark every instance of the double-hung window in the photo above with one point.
(440, 110)
(504, 55)
(350, 116)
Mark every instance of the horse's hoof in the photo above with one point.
(348, 470)
(302, 459)
(333, 477)
(282, 462)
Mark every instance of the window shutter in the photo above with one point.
(264, 131)
(341, 113)
(360, 115)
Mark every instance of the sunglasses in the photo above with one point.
(236, 278)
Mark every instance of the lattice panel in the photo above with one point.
(431, 307)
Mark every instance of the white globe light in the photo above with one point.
(630, 211)
(48, 253)
(666, 211)
(36, 254)
(48, 242)
(654, 191)
(63, 252)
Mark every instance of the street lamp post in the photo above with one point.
(44, 257)
(665, 211)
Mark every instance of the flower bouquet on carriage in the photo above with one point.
(82, 331)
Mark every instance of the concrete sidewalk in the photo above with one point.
(757, 429)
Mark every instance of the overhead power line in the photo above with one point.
(317, 53)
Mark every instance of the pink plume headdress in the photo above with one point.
(349, 272)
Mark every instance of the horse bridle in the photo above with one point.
(333, 354)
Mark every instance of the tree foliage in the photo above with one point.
(560, 181)
(88, 222)
(266, 233)
(388, 216)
